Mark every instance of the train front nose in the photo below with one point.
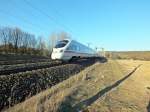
(57, 54)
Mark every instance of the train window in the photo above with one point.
(61, 43)
(77, 48)
(72, 47)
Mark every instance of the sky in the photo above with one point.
(116, 25)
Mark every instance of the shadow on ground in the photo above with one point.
(82, 105)
(148, 107)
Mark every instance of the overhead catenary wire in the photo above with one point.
(20, 18)
(24, 10)
(48, 16)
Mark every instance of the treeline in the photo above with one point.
(131, 55)
(16, 41)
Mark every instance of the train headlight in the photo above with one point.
(61, 50)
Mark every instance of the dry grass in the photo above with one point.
(79, 92)
(132, 95)
(136, 55)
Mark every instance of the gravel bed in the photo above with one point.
(16, 88)
(9, 69)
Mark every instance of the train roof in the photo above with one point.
(71, 40)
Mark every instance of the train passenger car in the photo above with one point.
(67, 49)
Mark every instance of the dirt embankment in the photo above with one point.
(115, 86)
(16, 88)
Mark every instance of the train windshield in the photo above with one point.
(61, 43)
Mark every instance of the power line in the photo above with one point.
(57, 13)
(24, 20)
(24, 11)
(48, 16)
(21, 8)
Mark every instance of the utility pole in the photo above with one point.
(88, 44)
(96, 48)
(103, 52)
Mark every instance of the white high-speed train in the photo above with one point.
(68, 49)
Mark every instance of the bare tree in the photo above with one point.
(63, 35)
(41, 45)
(25, 42)
(16, 38)
(32, 43)
(4, 38)
(52, 41)
(54, 37)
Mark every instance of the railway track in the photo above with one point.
(19, 68)
(14, 62)
(12, 69)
